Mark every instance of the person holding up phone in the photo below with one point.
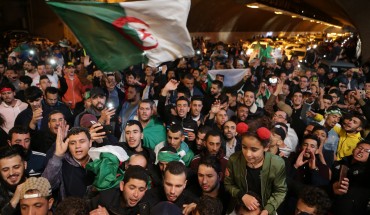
(352, 188)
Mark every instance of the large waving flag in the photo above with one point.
(118, 35)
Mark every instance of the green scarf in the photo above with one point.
(168, 156)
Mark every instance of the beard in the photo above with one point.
(216, 186)
(100, 108)
(145, 121)
(12, 188)
(228, 138)
(130, 100)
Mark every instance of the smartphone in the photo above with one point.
(106, 128)
(273, 80)
(343, 172)
(110, 105)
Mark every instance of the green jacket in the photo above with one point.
(273, 186)
(154, 133)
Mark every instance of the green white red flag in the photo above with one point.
(118, 35)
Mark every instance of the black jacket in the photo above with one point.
(24, 118)
(111, 199)
(355, 201)
(42, 141)
(157, 195)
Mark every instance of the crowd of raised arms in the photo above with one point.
(285, 139)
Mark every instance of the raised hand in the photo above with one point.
(172, 85)
(59, 71)
(87, 61)
(279, 86)
(164, 69)
(300, 162)
(357, 94)
(106, 115)
(61, 146)
(312, 161)
(341, 187)
(17, 195)
(36, 116)
(95, 134)
(216, 107)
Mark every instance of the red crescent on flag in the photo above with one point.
(138, 25)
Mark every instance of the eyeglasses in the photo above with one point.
(362, 148)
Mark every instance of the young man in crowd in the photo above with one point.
(10, 107)
(13, 173)
(50, 103)
(349, 133)
(134, 144)
(182, 116)
(98, 108)
(175, 138)
(173, 190)
(232, 144)
(201, 138)
(24, 83)
(35, 197)
(36, 161)
(66, 169)
(128, 198)
(130, 106)
(196, 106)
(254, 112)
(32, 116)
(212, 147)
(351, 187)
(209, 177)
(154, 131)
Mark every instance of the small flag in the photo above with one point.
(118, 35)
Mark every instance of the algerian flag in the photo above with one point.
(231, 76)
(118, 35)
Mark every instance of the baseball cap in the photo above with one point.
(86, 120)
(280, 129)
(96, 91)
(40, 184)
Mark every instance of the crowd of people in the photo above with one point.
(170, 140)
